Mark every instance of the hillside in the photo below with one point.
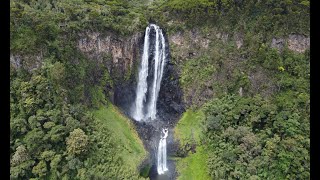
(234, 93)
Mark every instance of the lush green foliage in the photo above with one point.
(263, 134)
(31, 30)
(272, 16)
(256, 69)
(188, 132)
(53, 134)
(42, 123)
(256, 136)
(52, 137)
(252, 138)
(116, 149)
(188, 129)
(194, 165)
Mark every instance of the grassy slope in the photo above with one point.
(189, 127)
(194, 166)
(112, 121)
(188, 130)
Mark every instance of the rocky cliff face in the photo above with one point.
(296, 42)
(123, 56)
(189, 45)
(125, 52)
(27, 62)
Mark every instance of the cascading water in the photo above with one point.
(145, 107)
(162, 153)
(160, 57)
(142, 87)
(142, 82)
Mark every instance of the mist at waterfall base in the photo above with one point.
(144, 109)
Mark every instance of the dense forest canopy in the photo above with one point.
(62, 119)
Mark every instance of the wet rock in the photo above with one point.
(121, 56)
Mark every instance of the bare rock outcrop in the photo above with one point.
(238, 37)
(27, 62)
(295, 42)
(298, 43)
(124, 51)
(278, 43)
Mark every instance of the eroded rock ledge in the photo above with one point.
(123, 51)
(295, 42)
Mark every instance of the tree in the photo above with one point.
(34, 140)
(19, 156)
(77, 142)
(40, 169)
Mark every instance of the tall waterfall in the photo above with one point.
(142, 82)
(162, 153)
(143, 110)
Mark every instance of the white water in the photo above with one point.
(160, 57)
(148, 110)
(162, 153)
(142, 87)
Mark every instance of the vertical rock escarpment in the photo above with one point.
(120, 55)
(124, 52)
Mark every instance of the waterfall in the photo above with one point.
(160, 56)
(145, 107)
(162, 153)
(142, 87)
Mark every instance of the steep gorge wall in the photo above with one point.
(125, 55)
(124, 52)
(187, 42)
(190, 45)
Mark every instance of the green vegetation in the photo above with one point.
(116, 149)
(264, 133)
(188, 132)
(188, 129)
(63, 126)
(122, 130)
(260, 133)
(250, 138)
(194, 165)
(53, 138)
(56, 131)
(270, 17)
(144, 172)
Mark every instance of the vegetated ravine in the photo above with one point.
(157, 103)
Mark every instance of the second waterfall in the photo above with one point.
(154, 50)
